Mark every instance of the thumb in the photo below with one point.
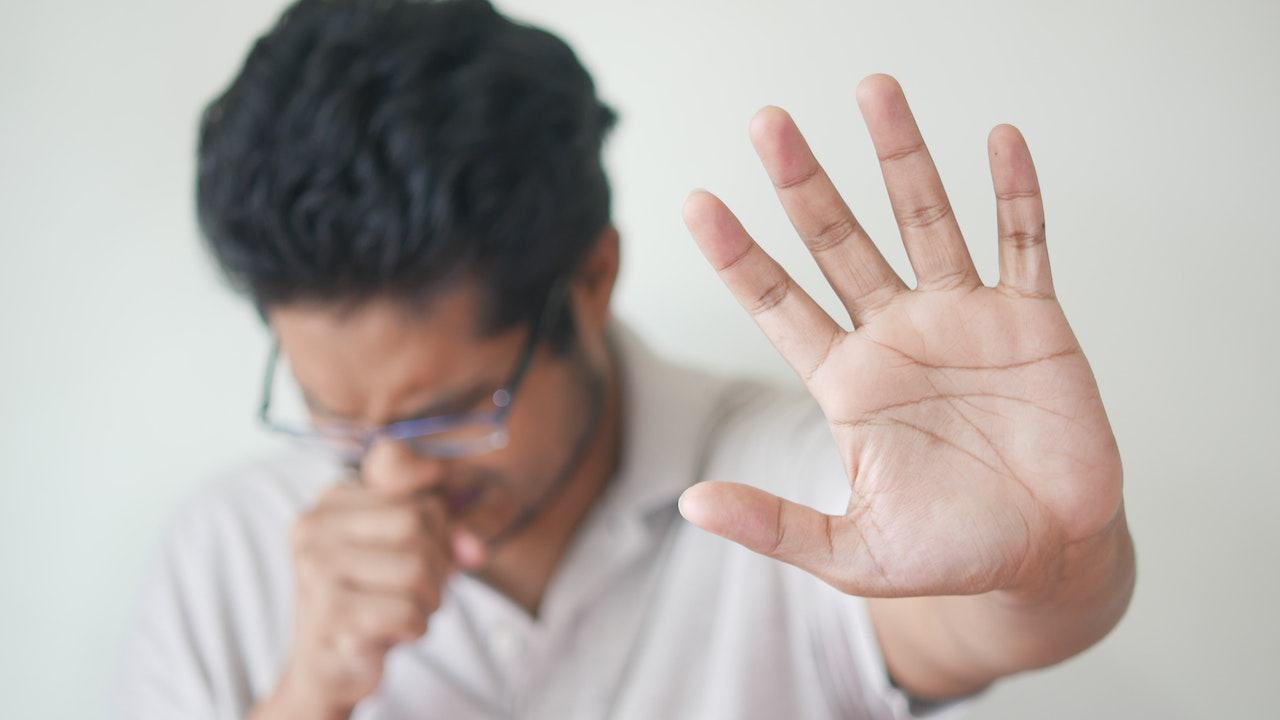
(770, 525)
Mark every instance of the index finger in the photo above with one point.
(382, 522)
(796, 325)
(850, 261)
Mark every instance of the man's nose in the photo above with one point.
(391, 467)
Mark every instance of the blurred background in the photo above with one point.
(128, 373)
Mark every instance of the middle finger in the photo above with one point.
(920, 205)
(850, 261)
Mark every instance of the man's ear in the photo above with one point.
(592, 286)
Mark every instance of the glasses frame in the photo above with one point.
(412, 432)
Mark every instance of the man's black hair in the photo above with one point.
(389, 149)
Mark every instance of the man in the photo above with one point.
(484, 519)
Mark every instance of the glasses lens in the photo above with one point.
(342, 449)
(466, 439)
(290, 415)
(340, 439)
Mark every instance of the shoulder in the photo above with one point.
(256, 495)
(226, 541)
(227, 538)
(210, 624)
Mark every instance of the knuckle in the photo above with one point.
(926, 214)
(833, 234)
(1011, 195)
(415, 625)
(875, 300)
(322, 612)
(738, 259)
(336, 495)
(891, 156)
(431, 593)
(349, 644)
(432, 510)
(1022, 239)
(310, 569)
(771, 297)
(403, 620)
(779, 536)
(404, 523)
(802, 178)
(836, 336)
(417, 573)
(1024, 293)
(301, 533)
(430, 603)
(945, 281)
(364, 624)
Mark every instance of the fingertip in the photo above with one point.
(1003, 129)
(767, 122)
(693, 504)
(699, 205)
(694, 193)
(1011, 162)
(876, 87)
(1004, 136)
(731, 510)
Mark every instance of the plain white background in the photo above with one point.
(128, 373)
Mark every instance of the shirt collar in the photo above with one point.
(668, 412)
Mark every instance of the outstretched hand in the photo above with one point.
(967, 417)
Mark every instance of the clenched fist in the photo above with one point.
(369, 569)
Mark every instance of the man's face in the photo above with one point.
(384, 363)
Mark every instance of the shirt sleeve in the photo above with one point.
(204, 640)
(161, 672)
(850, 641)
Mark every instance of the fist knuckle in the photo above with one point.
(432, 511)
(419, 573)
(404, 524)
(310, 568)
(411, 621)
(336, 494)
(302, 531)
(430, 601)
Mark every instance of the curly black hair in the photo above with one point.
(385, 148)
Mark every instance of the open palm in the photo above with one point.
(967, 416)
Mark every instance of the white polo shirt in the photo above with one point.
(646, 616)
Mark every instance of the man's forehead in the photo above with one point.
(384, 357)
(371, 322)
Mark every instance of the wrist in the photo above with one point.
(947, 646)
(1072, 605)
(1085, 570)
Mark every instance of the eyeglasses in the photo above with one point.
(440, 436)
